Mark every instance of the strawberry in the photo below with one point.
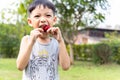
(45, 27)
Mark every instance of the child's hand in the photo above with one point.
(56, 33)
(35, 33)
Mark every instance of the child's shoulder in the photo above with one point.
(25, 38)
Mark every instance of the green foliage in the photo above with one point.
(8, 40)
(99, 53)
(114, 42)
(102, 53)
(113, 37)
(115, 57)
(22, 11)
(83, 52)
(10, 36)
(76, 13)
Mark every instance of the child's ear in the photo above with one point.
(55, 19)
(29, 22)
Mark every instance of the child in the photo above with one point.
(39, 53)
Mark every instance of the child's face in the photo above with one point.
(41, 16)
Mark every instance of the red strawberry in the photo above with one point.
(45, 27)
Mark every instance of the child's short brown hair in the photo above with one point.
(45, 3)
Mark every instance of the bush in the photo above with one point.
(116, 53)
(83, 52)
(102, 53)
(10, 36)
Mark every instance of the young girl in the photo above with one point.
(40, 54)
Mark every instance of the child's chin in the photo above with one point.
(45, 35)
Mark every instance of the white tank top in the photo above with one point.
(43, 63)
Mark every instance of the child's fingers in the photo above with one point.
(39, 29)
(36, 32)
(53, 30)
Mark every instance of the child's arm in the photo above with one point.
(24, 53)
(64, 58)
(26, 48)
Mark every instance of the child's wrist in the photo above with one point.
(32, 40)
(61, 40)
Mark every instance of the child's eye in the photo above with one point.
(36, 16)
(48, 15)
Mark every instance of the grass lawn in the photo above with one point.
(80, 71)
(8, 70)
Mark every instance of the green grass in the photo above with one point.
(8, 70)
(80, 71)
(89, 71)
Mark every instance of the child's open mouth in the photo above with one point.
(45, 27)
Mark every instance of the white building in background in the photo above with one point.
(95, 35)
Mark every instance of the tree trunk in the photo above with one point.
(71, 54)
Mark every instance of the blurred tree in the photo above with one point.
(12, 30)
(9, 42)
(73, 14)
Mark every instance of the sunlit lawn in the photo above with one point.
(8, 70)
(80, 71)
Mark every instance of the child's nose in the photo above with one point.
(42, 20)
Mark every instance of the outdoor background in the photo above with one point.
(91, 31)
